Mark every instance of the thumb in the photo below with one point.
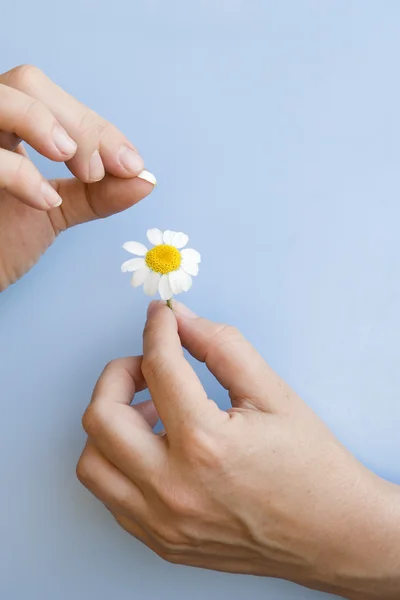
(84, 202)
(233, 361)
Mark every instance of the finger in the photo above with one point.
(108, 484)
(120, 381)
(20, 149)
(19, 177)
(101, 146)
(233, 361)
(32, 121)
(85, 202)
(176, 391)
(9, 141)
(120, 432)
(148, 411)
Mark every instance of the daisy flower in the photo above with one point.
(166, 268)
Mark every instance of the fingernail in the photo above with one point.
(183, 310)
(152, 307)
(147, 176)
(64, 143)
(50, 196)
(96, 167)
(130, 160)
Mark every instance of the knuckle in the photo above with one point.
(24, 77)
(177, 500)
(125, 497)
(91, 126)
(105, 128)
(111, 367)
(152, 365)
(203, 449)
(223, 336)
(83, 471)
(19, 171)
(32, 113)
(178, 505)
(95, 419)
(226, 333)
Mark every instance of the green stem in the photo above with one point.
(169, 304)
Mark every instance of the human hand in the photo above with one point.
(106, 166)
(263, 489)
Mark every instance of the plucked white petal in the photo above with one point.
(133, 264)
(190, 266)
(140, 276)
(151, 283)
(155, 236)
(147, 176)
(175, 238)
(135, 248)
(180, 281)
(165, 288)
(191, 254)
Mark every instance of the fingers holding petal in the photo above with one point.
(86, 202)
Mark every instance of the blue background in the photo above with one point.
(273, 129)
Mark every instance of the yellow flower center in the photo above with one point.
(163, 259)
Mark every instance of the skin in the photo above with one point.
(36, 110)
(262, 489)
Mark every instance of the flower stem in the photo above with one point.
(169, 304)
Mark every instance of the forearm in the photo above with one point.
(370, 565)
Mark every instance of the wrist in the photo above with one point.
(369, 566)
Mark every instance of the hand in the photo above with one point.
(105, 163)
(263, 489)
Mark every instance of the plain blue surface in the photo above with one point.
(273, 129)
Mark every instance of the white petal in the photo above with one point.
(191, 254)
(140, 276)
(147, 176)
(165, 288)
(180, 281)
(135, 248)
(155, 236)
(175, 238)
(175, 282)
(190, 266)
(150, 286)
(133, 264)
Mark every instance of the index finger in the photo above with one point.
(118, 430)
(176, 391)
(101, 146)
